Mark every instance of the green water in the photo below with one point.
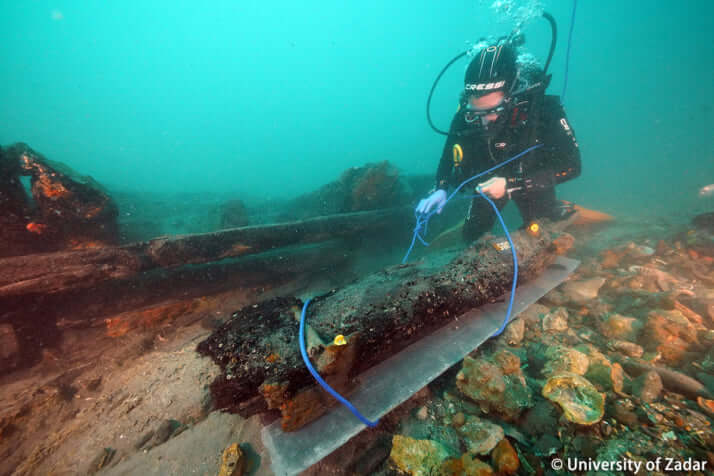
(271, 99)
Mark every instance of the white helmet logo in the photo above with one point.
(485, 86)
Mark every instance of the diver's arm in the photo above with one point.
(445, 173)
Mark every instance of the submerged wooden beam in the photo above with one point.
(77, 269)
(379, 315)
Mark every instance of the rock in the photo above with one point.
(586, 445)
(234, 214)
(672, 380)
(707, 380)
(706, 337)
(623, 410)
(617, 377)
(167, 429)
(480, 380)
(565, 359)
(371, 458)
(102, 460)
(610, 259)
(416, 457)
(563, 243)
(423, 413)
(617, 326)
(496, 384)
(480, 436)
(542, 419)
(467, 465)
(532, 317)
(508, 362)
(458, 419)
(670, 334)
(704, 222)
(555, 297)
(636, 251)
(629, 349)
(583, 291)
(513, 334)
(534, 314)
(579, 399)
(233, 463)
(706, 405)
(547, 445)
(556, 321)
(694, 318)
(504, 458)
(647, 387)
(606, 377)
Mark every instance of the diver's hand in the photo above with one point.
(494, 188)
(436, 199)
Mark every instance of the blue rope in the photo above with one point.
(567, 54)
(515, 265)
(319, 379)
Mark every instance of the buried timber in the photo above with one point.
(258, 348)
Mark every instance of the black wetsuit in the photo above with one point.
(468, 152)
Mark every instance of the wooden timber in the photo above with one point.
(78, 269)
(379, 315)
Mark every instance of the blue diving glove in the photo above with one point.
(436, 199)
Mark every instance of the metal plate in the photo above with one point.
(385, 386)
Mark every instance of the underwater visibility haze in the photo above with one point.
(215, 216)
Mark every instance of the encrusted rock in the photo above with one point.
(579, 399)
(706, 405)
(504, 458)
(513, 335)
(556, 321)
(533, 314)
(480, 436)
(508, 362)
(647, 386)
(467, 465)
(496, 384)
(542, 419)
(629, 349)
(416, 457)
(565, 359)
(583, 291)
(617, 326)
(458, 419)
(669, 333)
(623, 410)
(606, 377)
(233, 461)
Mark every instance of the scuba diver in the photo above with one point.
(503, 110)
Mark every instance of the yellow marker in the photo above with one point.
(458, 155)
(533, 229)
(340, 340)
